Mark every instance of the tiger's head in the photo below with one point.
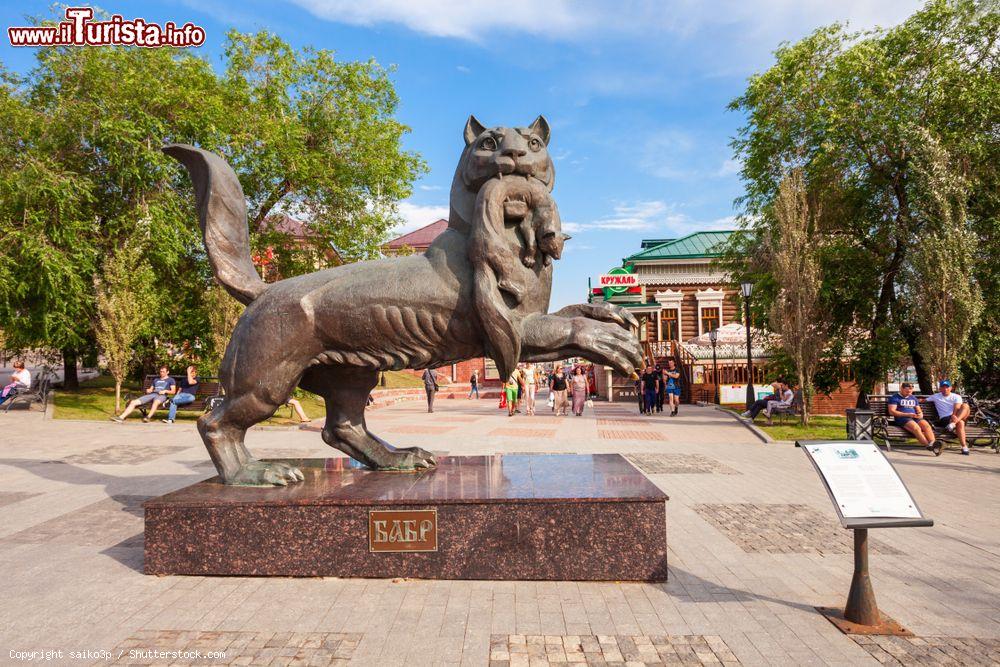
(494, 153)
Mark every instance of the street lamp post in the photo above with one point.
(747, 289)
(713, 336)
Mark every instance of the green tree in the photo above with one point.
(121, 317)
(796, 311)
(81, 173)
(855, 112)
(223, 313)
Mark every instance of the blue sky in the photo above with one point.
(635, 92)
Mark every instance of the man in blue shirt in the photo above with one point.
(163, 387)
(905, 410)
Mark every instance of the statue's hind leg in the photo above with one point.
(223, 431)
(346, 392)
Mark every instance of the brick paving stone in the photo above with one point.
(123, 454)
(524, 432)
(678, 464)
(114, 521)
(609, 649)
(931, 650)
(619, 421)
(782, 528)
(607, 434)
(421, 429)
(236, 648)
(11, 497)
(65, 588)
(457, 419)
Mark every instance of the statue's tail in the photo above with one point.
(222, 213)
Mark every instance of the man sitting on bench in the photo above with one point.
(162, 388)
(758, 406)
(952, 412)
(905, 410)
(185, 395)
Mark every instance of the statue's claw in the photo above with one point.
(416, 458)
(266, 473)
(601, 311)
(609, 345)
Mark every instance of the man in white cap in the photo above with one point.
(952, 412)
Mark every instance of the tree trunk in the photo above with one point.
(118, 396)
(70, 379)
(806, 396)
(868, 377)
(924, 379)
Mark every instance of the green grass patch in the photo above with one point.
(821, 427)
(400, 380)
(95, 401)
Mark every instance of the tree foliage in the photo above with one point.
(796, 311)
(82, 175)
(223, 313)
(867, 117)
(121, 317)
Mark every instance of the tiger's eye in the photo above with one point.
(535, 144)
(489, 144)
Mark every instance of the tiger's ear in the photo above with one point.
(473, 128)
(541, 128)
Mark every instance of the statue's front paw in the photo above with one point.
(602, 311)
(415, 458)
(610, 345)
(265, 473)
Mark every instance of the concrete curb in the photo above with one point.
(761, 435)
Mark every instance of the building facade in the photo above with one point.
(680, 293)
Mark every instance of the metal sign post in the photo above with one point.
(867, 492)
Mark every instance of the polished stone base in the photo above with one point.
(530, 517)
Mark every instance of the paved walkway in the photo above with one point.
(754, 547)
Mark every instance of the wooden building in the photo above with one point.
(680, 293)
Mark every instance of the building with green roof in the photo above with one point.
(681, 291)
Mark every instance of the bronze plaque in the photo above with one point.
(402, 530)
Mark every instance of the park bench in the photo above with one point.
(39, 391)
(794, 410)
(208, 388)
(977, 431)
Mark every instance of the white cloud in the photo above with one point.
(641, 215)
(463, 69)
(650, 216)
(481, 20)
(473, 20)
(416, 216)
(729, 167)
(428, 188)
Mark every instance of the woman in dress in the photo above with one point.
(579, 388)
(558, 389)
(529, 373)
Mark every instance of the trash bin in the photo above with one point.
(860, 424)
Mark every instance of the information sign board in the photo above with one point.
(863, 485)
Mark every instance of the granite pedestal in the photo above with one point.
(537, 517)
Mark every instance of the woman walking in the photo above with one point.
(673, 378)
(529, 374)
(558, 389)
(579, 387)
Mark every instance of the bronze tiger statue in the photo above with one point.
(482, 288)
